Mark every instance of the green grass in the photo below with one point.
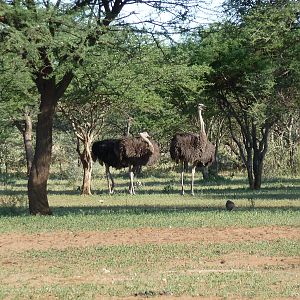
(230, 284)
(149, 270)
(153, 270)
(108, 219)
(277, 203)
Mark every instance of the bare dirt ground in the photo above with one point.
(61, 240)
(14, 243)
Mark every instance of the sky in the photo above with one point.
(209, 12)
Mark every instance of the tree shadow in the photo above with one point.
(161, 210)
(231, 188)
(13, 192)
(130, 210)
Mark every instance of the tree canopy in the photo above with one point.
(255, 75)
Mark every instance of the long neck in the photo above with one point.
(202, 126)
(148, 142)
(128, 125)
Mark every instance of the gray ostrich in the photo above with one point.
(192, 148)
(131, 152)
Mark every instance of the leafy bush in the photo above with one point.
(13, 205)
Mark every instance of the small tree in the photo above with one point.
(16, 93)
(87, 121)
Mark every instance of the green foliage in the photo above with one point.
(16, 88)
(11, 153)
(155, 86)
(12, 205)
(254, 80)
(256, 60)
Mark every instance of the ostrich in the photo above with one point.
(131, 152)
(104, 151)
(192, 148)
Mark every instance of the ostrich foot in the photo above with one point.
(131, 191)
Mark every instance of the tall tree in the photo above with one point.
(255, 76)
(52, 39)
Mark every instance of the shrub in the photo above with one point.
(13, 205)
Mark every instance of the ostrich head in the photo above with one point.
(201, 106)
(145, 136)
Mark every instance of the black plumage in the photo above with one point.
(104, 152)
(132, 152)
(192, 148)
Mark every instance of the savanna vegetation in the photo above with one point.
(79, 71)
(155, 244)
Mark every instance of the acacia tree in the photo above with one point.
(98, 92)
(16, 107)
(52, 38)
(255, 71)
(86, 120)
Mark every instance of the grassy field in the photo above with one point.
(156, 244)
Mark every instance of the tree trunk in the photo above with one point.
(257, 170)
(25, 128)
(28, 142)
(39, 174)
(87, 164)
(249, 166)
(87, 178)
(50, 92)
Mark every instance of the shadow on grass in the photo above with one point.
(274, 193)
(283, 189)
(288, 192)
(144, 209)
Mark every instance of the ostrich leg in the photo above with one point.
(192, 182)
(109, 178)
(131, 185)
(181, 177)
(112, 183)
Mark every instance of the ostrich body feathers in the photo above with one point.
(136, 151)
(192, 148)
(105, 152)
(132, 152)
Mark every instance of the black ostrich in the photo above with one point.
(131, 152)
(104, 151)
(192, 148)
